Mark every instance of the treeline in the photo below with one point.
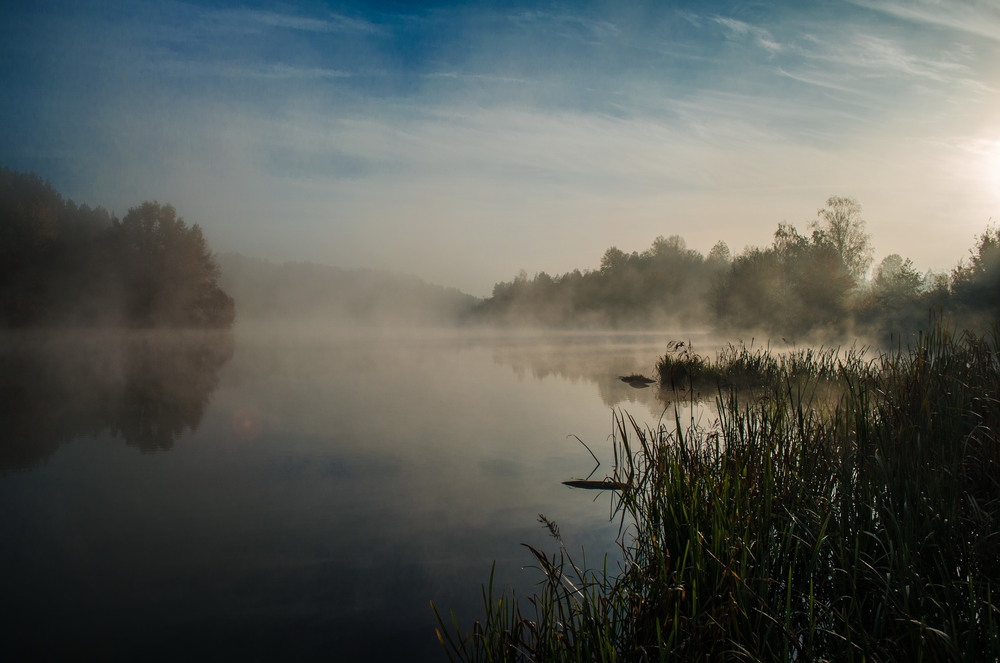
(668, 283)
(67, 265)
(820, 282)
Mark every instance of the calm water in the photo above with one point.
(292, 496)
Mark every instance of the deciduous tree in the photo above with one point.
(840, 225)
(170, 274)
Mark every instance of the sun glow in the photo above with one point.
(993, 167)
(983, 164)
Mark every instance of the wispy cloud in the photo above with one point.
(980, 18)
(509, 145)
(540, 129)
(821, 79)
(741, 29)
(238, 70)
(481, 78)
(880, 56)
(249, 19)
(573, 26)
(870, 65)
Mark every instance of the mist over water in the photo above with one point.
(296, 493)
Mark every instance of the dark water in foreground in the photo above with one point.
(277, 496)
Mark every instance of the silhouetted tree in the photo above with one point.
(720, 254)
(896, 280)
(841, 226)
(613, 259)
(171, 276)
(750, 294)
(976, 284)
(52, 257)
(66, 265)
(797, 285)
(897, 302)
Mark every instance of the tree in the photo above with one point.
(170, 276)
(68, 265)
(52, 260)
(798, 284)
(896, 280)
(815, 281)
(614, 259)
(752, 293)
(670, 246)
(720, 254)
(976, 284)
(842, 227)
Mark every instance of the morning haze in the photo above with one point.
(465, 144)
(307, 313)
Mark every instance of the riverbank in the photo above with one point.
(800, 526)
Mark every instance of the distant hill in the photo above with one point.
(267, 291)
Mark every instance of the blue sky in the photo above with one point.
(463, 142)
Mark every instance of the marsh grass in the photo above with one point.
(858, 527)
(749, 367)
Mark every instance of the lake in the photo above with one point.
(294, 495)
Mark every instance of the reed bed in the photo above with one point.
(743, 366)
(858, 527)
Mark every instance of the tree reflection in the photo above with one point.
(146, 388)
(603, 360)
(589, 359)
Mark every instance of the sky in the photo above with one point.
(465, 141)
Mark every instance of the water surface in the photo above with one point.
(278, 495)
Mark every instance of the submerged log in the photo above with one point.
(604, 484)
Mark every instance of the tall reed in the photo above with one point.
(861, 526)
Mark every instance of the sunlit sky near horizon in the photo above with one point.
(463, 142)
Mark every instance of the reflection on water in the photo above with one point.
(602, 359)
(146, 388)
(319, 491)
